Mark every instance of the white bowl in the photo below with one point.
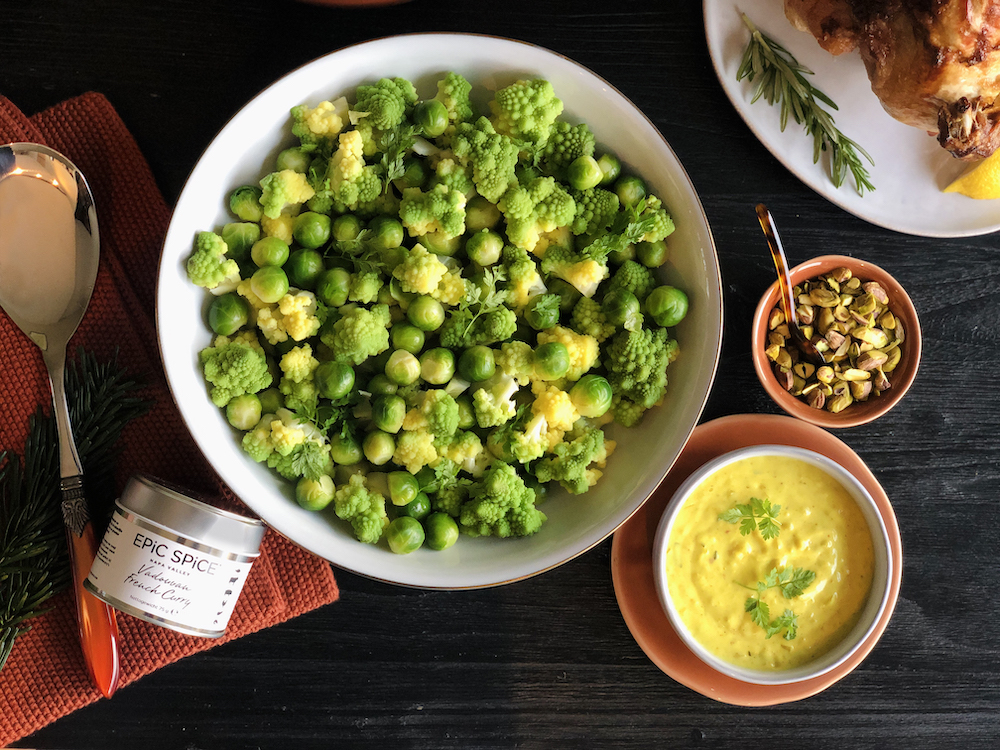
(253, 138)
(878, 596)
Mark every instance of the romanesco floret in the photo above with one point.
(541, 206)
(449, 498)
(358, 334)
(633, 277)
(494, 401)
(439, 211)
(583, 349)
(491, 155)
(415, 450)
(298, 363)
(233, 367)
(636, 362)
(257, 443)
(583, 272)
(595, 209)
(282, 189)
(420, 271)
(208, 265)
(500, 505)
(309, 459)
(455, 176)
(565, 144)
(523, 279)
(365, 286)
(464, 448)
(299, 395)
(463, 328)
(516, 359)
(525, 110)
(451, 289)
(441, 412)
(662, 225)
(386, 102)
(532, 442)
(362, 508)
(350, 181)
(453, 92)
(570, 462)
(313, 125)
(589, 318)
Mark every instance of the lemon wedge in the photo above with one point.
(981, 181)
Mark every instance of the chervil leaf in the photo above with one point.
(797, 582)
(311, 460)
(760, 613)
(733, 515)
(792, 582)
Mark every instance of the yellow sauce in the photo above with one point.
(822, 530)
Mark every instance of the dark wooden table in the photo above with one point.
(549, 662)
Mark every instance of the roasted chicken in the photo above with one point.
(934, 64)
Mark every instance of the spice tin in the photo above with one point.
(173, 560)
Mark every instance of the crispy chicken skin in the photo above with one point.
(934, 64)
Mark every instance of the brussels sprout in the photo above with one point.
(591, 395)
(652, 254)
(243, 412)
(542, 311)
(441, 531)
(380, 385)
(388, 413)
(378, 447)
(431, 116)
(584, 173)
(622, 308)
(387, 233)
(269, 251)
(551, 360)
(419, 507)
(245, 202)
(407, 337)
(311, 230)
(344, 449)
(228, 313)
(239, 237)
(403, 487)
(345, 228)
(304, 267)
(332, 286)
(630, 190)
(426, 313)
(569, 295)
(484, 247)
(437, 366)
(269, 283)
(477, 363)
(610, 166)
(466, 413)
(270, 400)
(667, 305)
(294, 159)
(618, 257)
(334, 380)
(440, 244)
(402, 368)
(314, 494)
(480, 214)
(404, 535)
(414, 173)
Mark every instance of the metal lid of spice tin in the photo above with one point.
(176, 510)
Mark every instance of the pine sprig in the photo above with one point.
(782, 79)
(34, 564)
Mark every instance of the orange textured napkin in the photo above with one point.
(45, 677)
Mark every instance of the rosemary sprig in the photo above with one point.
(33, 560)
(781, 78)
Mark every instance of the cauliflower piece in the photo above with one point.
(299, 364)
(584, 273)
(415, 450)
(208, 265)
(491, 155)
(526, 110)
(323, 122)
(523, 280)
(420, 271)
(440, 210)
(351, 182)
(494, 401)
(532, 442)
(556, 406)
(531, 210)
(463, 449)
(282, 189)
(583, 349)
(282, 225)
(300, 317)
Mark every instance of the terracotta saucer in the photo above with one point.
(632, 551)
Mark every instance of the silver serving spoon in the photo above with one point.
(49, 250)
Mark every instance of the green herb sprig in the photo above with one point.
(781, 78)
(33, 559)
(756, 515)
(792, 582)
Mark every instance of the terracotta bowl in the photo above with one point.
(902, 376)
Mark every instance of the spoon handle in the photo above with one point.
(780, 264)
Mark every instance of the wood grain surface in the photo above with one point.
(549, 662)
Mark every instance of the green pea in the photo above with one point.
(269, 251)
(269, 283)
(414, 173)
(652, 254)
(228, 313)
(304, 267)
(441, 531)
(404, 535)
(334, 380)
(388, 413)
(484, 247)
(419, 507)
(294, 159)
(630, 190)
(584, 173)
(437, 366)
(344, 449)
(402, 368)
(431, 116)
(610, 166)
(466, 412)
(345, 228)
(480, 214)
(591, 395)
(622, 308)
(551, 360)
(387, 232)
(243, 412)
(403, 487)
(426, 313)
(314, 494)
(407, 337)
(477, 363)
(667, 305)
(378, 447)
(239, 237)
(332, 286)
(311, 229)
(245, 202)
(380, 385)
(542, 311)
